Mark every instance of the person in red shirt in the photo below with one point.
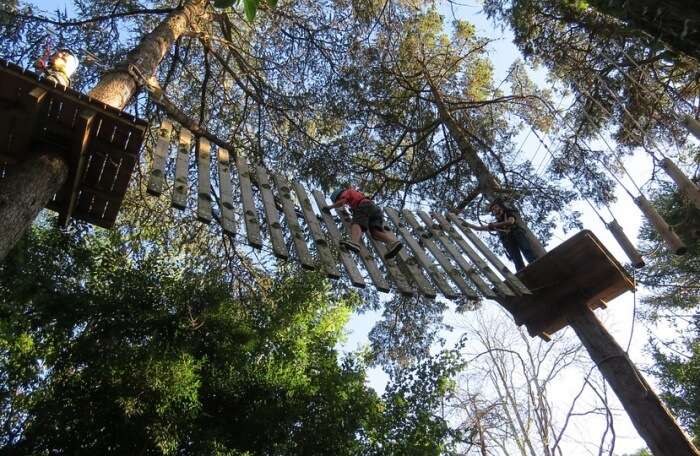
(366, 216)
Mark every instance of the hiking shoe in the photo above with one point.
(351, 246)
(393, 249)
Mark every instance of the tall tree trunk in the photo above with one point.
(29, 186)
(117, 87)
(24, 191)
(649, 415)
(488, 184)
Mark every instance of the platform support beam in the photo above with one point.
(649, 415)
(45, 173)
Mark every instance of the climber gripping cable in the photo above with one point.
(366, 216)
(512, 236)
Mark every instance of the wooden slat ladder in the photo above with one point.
(392, 268)
(250, 212)
(290, 215)
(182, 166)
(420, 255)
(204, 213)
(228, 221)
(279, 248)
(345, 256)
(324, 253)
(156, 180)
(513, 282)
(452, 272)
(371, 266)
(413, 272)
(448, 237)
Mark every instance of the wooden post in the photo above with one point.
(692, 125)
(182, 187)
(156, 181)
(626, 244)
(272, 215)
(671, 238)
(687, 187)
(284, 189)
(250, 212)
(228, 221)
(649, 415)
(203, 183)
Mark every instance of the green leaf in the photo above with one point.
(272, 3)
(250, 7)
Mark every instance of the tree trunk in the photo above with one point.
(118, 86)
(488, 184)
(43, 175)
(649, 415)
(29, 186)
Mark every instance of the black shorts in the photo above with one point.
(368, 216)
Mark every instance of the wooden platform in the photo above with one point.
(579, 270)
(101, 143)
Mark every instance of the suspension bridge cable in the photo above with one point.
(631, 117)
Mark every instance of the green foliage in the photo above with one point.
(126, 352)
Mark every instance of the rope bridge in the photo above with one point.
(440, 255)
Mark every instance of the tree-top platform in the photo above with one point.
(579, 270)
(101, 144)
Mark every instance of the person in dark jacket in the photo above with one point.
(366, 216)
(511, 234)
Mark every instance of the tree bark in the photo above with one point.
(118, 86)
(649, 415)
(24, 191)
(30, 185)
(488, 184)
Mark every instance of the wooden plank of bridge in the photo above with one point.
(345, 256)
(371, 266)
(203, 184)
(513, 282)
(397, 275)
(228, 221)
(279, 248)
(250, 212)
(295, 229)
(156, 180)
(182, 187)
(324, 253)
(448, 237)
(420, 255)
(428, 234)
